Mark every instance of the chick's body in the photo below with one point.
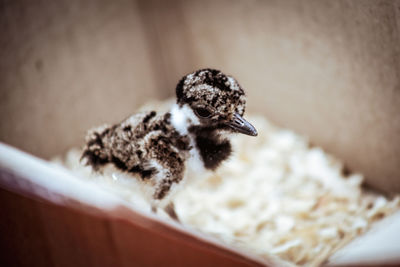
(145, 144)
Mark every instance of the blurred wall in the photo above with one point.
(327, 69)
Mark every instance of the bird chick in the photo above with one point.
(194, 134)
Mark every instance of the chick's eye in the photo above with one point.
(202, 112)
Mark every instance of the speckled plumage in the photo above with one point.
(158, 147)
(144, 144)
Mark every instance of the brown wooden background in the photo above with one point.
(327, 69)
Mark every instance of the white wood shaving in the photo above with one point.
(275, 195)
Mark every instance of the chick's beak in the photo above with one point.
(240, 125)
